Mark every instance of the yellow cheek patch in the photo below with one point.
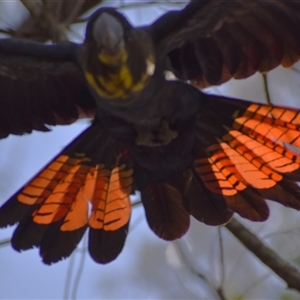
(118, 82)
(116, 85)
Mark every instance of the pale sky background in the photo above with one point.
(148, 267)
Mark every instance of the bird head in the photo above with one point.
(118, 58)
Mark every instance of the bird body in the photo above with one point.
(187, 152)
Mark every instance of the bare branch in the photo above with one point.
(222, 264)
(184, 256)
(266, 88)
(285, 270)
(74, 13)
(79, 271)
(136, 203)
(4, 242)
(67, 285)
(34, 7)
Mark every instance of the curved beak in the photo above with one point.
(108, 33)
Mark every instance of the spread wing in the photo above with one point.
(212, 41)
(244, 153)
(250, 154)
(52, 208)
(40, 85)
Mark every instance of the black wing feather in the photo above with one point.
(40, 85)
(228, 39)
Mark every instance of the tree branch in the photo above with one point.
(285, 270)
(34, 7)
(4, 242)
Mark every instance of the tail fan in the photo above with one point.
(244, 153)
(53, 211)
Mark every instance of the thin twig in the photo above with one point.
(186, 261)
(67, 286)
(79, 271)
(285, 270)
(222, 264)
(295, 70)
(136, 203)
(4, 242)
(266, 88)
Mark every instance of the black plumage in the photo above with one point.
(188, 153)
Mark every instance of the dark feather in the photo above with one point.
(105, 246)
(244, 156)
(40, 85)
(52, 208)
(165, 211)
(204, 205)
(253, 29)
(187, 152)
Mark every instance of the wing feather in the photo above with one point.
(53, 211)
(228, 39)
(111, 211)
(40, 85)
(249, 154)
(202, 203)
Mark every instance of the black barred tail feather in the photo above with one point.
(52, 209)
(244, 153)
(110, 213)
